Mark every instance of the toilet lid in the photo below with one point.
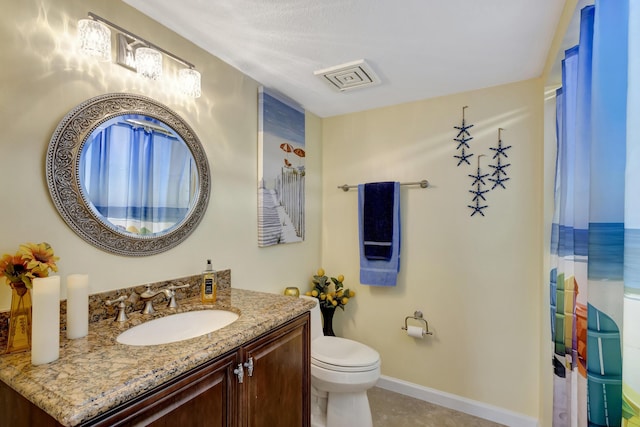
(341, 354)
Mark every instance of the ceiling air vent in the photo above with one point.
(353, 75)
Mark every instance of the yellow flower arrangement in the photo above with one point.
(330, 296)
(32, 260)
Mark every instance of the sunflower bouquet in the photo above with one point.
(32, 260)
(330, 293)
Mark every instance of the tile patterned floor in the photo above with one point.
(390, 409)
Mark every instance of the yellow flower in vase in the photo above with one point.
(14, 270)
(330, 293)
(32, 260)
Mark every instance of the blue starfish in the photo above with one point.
(499, 168)
(498, 181)
(462, 141)
(464, 157)
(478, 177)
(463, 129)
(478, 194)
(500, 151)
(477, 208)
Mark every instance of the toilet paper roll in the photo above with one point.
(415, 331)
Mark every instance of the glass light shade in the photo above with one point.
(189, 82)
(94, 39)
(149, 63)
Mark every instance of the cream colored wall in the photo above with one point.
(477, 279)
(42, 79)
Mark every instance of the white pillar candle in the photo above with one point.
(77, 306)
(45, 318)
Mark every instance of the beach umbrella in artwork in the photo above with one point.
(287, 148)
(287, 163)
(300, 153)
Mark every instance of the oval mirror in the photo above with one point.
(127, 174)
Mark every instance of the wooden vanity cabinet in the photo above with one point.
(204, 396)
(275, 393)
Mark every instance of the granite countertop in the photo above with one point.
(96, 373)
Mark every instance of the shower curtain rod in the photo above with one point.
(148, 125)
(423, 184)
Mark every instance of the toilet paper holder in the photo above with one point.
(417, 315)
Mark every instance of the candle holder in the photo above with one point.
(292, 291)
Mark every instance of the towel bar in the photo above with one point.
(423, 184)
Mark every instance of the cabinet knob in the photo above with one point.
(239, 371)
(249, 366)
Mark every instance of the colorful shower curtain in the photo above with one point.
(595, 247)
(138, 179)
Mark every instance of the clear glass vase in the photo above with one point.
(19, 338)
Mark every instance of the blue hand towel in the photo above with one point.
(377, 219)
(380, 272)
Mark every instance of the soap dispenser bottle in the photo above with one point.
(209, 285)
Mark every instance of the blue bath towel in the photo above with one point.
(380, 271)
(377, 220)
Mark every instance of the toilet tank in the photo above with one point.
(316, 320)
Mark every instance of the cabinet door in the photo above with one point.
(206, 396)
(278, 392)
(17, 411)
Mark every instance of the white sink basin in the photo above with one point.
(177, 327)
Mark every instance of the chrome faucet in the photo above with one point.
(148, 295)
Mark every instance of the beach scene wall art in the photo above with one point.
(281, 169)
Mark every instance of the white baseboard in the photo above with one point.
(457, 403)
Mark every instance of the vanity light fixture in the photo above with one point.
(94, 39)
(189, 82)
(136, 53)
(148, 63)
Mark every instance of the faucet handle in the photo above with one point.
(121, 315)
(171, 293)
(173, 287)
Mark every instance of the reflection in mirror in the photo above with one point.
(127, 174)
(138, 174)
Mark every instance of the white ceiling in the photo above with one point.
(418, 48)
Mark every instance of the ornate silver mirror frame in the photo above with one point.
(63, 178)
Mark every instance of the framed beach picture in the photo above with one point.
(281, 169)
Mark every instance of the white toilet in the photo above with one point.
(342, 371)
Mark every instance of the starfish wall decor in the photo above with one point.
(499, 171)
(478, 193)
(462, 139)
(481, 180)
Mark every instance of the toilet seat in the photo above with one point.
(343, 355)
